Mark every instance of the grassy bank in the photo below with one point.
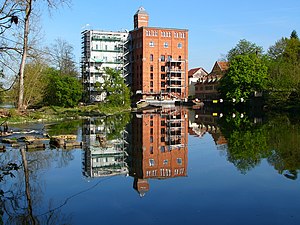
(54, 113)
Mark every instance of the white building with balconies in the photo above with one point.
(102, 49)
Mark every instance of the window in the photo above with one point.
(162, 58)
(169, 57)
(163, 69)
(179, 161)
(162, 84)
(151, 131)
(151, 149)
(151, 162)
(96, 47)
(151, 123)
(162, 139)
(166, 162)
(151, 75)
(162, 76)
(151, 83)
(179, 45)
(166, 45)
(151, 139)
(151, 44)
(151, 68)
(162, 149)
(151, 57)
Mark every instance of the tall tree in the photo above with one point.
(246, 74)
(284, 70)
(244, 47)
(114, 86)
(28, 10)
(62, 58)
(22, 11)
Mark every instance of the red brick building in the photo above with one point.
(206, 89)
(159, 61)
(159, 140)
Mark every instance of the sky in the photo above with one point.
(214, 26)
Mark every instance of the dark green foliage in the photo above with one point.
(246, 141)
(62, 90)
(118, 93)
(284, 71)
(294, 35)
(65, 127)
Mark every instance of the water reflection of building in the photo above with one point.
(159, 146)
(103, 156)
(203, 121)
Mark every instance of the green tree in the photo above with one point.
(62, 90)
(284, 71)
(244, 47)
(117, 91)
(294, 34)
(246, 74)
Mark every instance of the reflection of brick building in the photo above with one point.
(159, 146)
(207, 86)
(159, 60)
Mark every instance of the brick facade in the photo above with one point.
(159, 62)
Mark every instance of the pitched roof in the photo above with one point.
(223, 65)
(141, 10)
(195, 70)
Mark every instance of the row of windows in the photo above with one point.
(163, 172)
(207, 88)
(166, 44)
(165, 34)
(163, 58)
(152, 162)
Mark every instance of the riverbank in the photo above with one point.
(54, 113)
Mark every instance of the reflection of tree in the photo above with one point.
(246, 141)
(115, 124)
(284, 139)
(64, 127)
(23, 199)
(277, 140)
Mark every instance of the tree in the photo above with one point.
(21, 10)
(9, 15)
(117, 91)
(62, 90)
(284, 70)
(244, 47)
(294, 34)
(34, 83)
(62, 58)
(246, 74)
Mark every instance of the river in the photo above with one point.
(159, 166)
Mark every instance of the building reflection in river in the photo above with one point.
(205, 121)
(103, 156)
(158, 150)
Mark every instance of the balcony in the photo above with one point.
(105, 38)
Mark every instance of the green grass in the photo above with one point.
(54, 113)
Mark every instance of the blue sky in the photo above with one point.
(214, 26)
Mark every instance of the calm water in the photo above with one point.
(170, 166)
